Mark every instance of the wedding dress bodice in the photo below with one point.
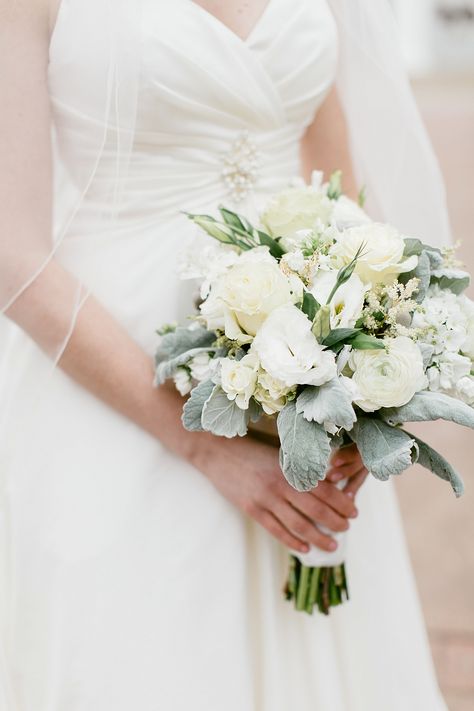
(218, 117)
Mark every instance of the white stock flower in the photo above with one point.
(182, 381)
(444, 321)
(296, 209)
(448, 369)
(348, 301)
(238, 378)
(467, 306)
(242, 298)
(465, 390)
(200, 366)
(289, 351)
(382, 258)
(388, 377)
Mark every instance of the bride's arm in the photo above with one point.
(325, 145)
(100, 354)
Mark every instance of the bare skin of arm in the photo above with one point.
(100, 354)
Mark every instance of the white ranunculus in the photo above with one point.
(238, 378)
(183, 382)
(348, 301)
(296, 209)
(289, 351)
(382, 259)
(271, 393)
(389, 377)
(242, 298)
(200, 366)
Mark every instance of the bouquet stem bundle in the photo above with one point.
(322, 587)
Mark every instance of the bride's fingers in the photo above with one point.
(344, 455)
(317, 510)
(335, 498)
(278, 530)
(353, 486)
(335, 474)
(303, 527)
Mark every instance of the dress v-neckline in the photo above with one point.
(243, 40)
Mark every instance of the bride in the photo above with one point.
(142, 565)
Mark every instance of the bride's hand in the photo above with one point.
(247, 473)
(346, 463)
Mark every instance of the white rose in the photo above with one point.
(296, 209)
(382, 258)
(238, 378)
(289, 351)
(244, 296)
(182, 381)
(389, 377)
(348, 301)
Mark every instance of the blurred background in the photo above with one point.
(438, 44)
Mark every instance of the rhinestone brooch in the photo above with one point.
(241, 164)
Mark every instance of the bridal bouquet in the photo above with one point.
(340, 329)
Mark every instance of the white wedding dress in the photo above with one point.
(129, 583)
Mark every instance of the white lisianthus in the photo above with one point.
(347, 213)
(289, 351)
(296, 209)
(271, 393)
(183, 382)
(242, 298)
(238, 378)
(382, 258)
(201, 367)
(348, 301)
(389, 377)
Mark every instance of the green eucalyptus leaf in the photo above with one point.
(340, 336)
(223, 417)
(384, 450)
(364, 342)
(330, 402)
(310, 305)
(305, 449)
(276, 250)
(193, 407)
(434, 462)
(427, 406)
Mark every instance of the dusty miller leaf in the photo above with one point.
(385, 450)
(305, 449)
(426, 406)
(327, 403)
(223, 417)
(432, 460)
(192, 410)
